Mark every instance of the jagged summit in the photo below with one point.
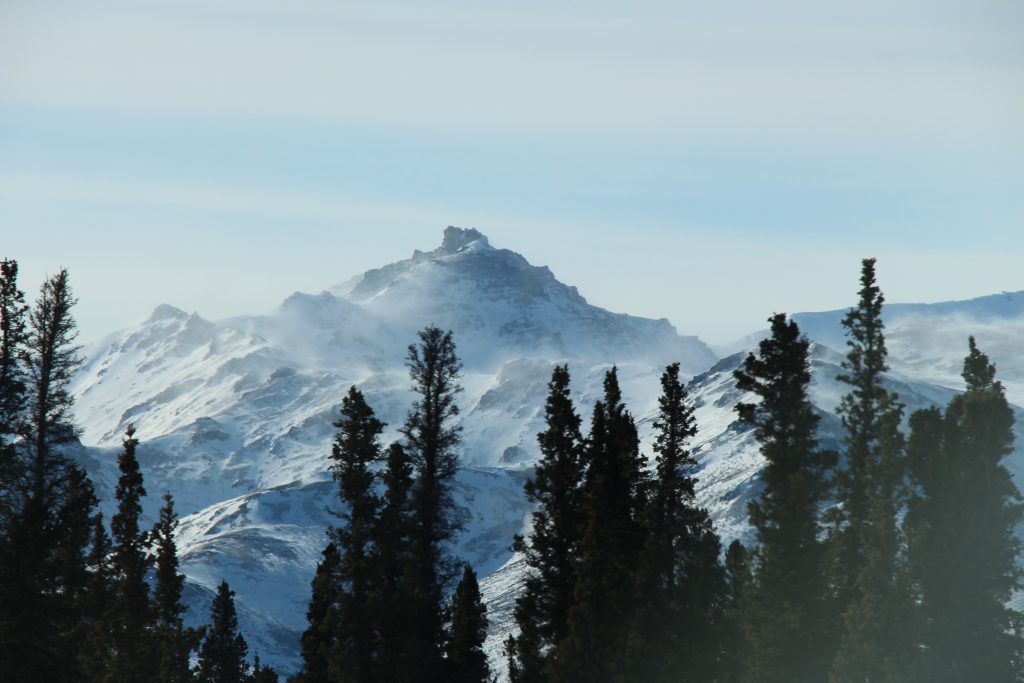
(167, 312)
(501, 306)
(457, 238)
(237, 416)
(465, 261)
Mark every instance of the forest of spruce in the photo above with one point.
(892, 560)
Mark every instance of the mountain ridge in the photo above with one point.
(236, 415)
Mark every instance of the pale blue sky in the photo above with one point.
(706, 162)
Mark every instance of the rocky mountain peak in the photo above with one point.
(456, 239)
(167, 312)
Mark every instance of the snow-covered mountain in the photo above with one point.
(236, 416)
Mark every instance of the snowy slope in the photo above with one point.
(929, 341)
(236, 416)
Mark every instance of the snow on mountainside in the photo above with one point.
(236, 416)
(240, 411)
(929, 341)
(504, 308)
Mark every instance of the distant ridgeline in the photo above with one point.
(568, 495)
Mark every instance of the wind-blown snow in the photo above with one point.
(236, 416)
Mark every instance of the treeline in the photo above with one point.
(893, 563)
(79, 604)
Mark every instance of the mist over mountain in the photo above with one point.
(235, 416)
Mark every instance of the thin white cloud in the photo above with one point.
(869, 76)
(133, 193)
(842, 76)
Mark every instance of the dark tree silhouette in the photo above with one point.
(787, 613)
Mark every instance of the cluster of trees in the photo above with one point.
(896, 562)
(79, 604)
(380, 610)
(893, 563)
(626, 580)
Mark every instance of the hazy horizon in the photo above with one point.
(706, 164)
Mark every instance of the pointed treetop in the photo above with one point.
(864, 330)
(979, 372)
(869, 292)
(612, 392)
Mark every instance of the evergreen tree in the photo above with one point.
(467, 662)
(129, 618)
(13, 467)
(318, 639)
(788, 611)
(51, 359)
(261, 673)
(524, 652)
(431, 441)
(961, 525)
(861, 411)
(393, 601)
(50, 504)
(174, 641)
(100, 571)
(738, 581)
(169, 583)
(681, 583)
(356, 449)
(222, 654)
(13, 336)
(602, 611)
(95, 648)
(877, 644)
(542, 610)
(867, 569)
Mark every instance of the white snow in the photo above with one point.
(236, 416)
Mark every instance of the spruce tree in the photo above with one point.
(318, 639)
(604, 599)
(356, 449)
(13, 466)
(557, 527)
(524, 651)
(430, 441)
(222, 654)
(393, 601)
(861, 411)
(174, 642)
(169, 582)
(788, 610)
(13, 470)
(681, 583)
(961, 530)
(13, 335)
(867, 570)
(878, 637)
(261, 673)
(51, 358)
(735, 640)
(129, 618)
(100, 570)
(51, 506)
(94, 637)
(465, 657)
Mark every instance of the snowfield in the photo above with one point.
(235, 416)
